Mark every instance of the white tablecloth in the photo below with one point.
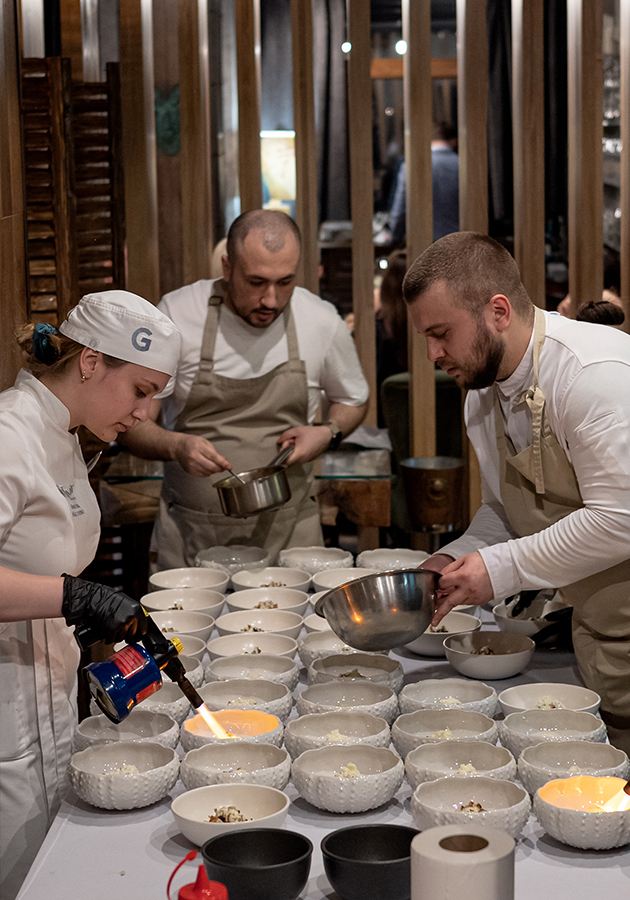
(92, 854)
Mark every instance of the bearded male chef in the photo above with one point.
(548, 414)
(258, 354)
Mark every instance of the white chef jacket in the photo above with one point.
(242, 351)
(585, 377)
(49, 524)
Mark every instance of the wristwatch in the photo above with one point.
(336, 434)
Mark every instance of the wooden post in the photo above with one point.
(528, 120)
(624, 59)
(138, 122)
(418, 99)
(196, 178)
(586, 191)
(247, 14)
(305, 141)
(361, 187)
(472, 104)
(13, 296)
(71, 36)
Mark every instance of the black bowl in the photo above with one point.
(259, 863)
(369, 861)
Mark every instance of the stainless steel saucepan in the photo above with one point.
(256, 490)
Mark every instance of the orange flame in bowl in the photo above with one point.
(213, 724)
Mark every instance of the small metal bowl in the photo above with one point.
(382, 611)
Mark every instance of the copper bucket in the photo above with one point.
(434, 491)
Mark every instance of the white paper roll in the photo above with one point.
(462, 862)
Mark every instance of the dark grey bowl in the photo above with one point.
(369, 861)
(259, 863)
(383, 611)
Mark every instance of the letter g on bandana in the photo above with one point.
(140, 339)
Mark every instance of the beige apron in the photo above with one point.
(243, 419)
(538, 488)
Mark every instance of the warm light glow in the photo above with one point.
(618, 803)
(587, 793)
(356, 617)
(215, 727)
(231, 723)
(401, 47)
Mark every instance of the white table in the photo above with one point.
(92, 854)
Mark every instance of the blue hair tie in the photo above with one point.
(42, 348)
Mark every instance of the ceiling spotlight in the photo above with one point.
(382, 263)
(346, 47)
(401, 47)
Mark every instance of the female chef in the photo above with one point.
(114, 353)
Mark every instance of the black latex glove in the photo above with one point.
(112, 614)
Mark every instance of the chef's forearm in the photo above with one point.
(347, 417)
(24, 596)
(150, 441)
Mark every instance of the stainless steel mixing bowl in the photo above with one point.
(379, 612)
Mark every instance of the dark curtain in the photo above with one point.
(276, 101)
(500, 172)
(556, 127)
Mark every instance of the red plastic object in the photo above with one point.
(202, 889)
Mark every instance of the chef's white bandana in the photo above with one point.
(125, 326)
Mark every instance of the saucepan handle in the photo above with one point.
(282, 456)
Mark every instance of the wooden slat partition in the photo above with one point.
(13, 296)
(305, 141)
(247, 13)
(98, 183)
(71, 37)
(49, 182)
(386, 67)
(472, 106)
(528, 135)
(196, 178)
(138, 130)
(361, 188)
(586, 191)
(624, 59)
(418, 99)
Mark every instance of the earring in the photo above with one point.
(83, 378)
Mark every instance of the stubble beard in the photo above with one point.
(488, 353)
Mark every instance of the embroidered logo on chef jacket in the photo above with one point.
(68, 493)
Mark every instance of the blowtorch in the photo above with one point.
(133, 673)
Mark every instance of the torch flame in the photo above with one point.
(217, 729)
(618, 803)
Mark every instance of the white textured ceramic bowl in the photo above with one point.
(178, 621)
(272, 576)
(232, 559)
(384, 560)
(257, 621)
(520, 730)
(505, 805)
(357, 667)
(332, 578)
(567, 810)
(193, 668)
(548, 761)
(240, 762)
(347, 779)
(261, 806)
(315, 559)
(287, 599)
(245, 693)
(314, 624)
(170, 700)
(349, 696)
(140, 725)
(431, 643)
(449, 693)
(548, 696)
(191, 646)
(318, 644)
(335, 729)
(123, 775)
(189, 577)
(468, 654)
(431, 726)
(244, 724)
(526, 623)
(252, 644)
(279, 669)
(200, 600)
(446, 759)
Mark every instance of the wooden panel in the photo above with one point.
(247, 14)
(138, 144)
(196, 180)
(13, 297)
(418, 99)
(393, 68)
(71, 39)
(624, 54)
(528, 135)
(472, 109)
(586, 191)
(361, 188)
(306, 213)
